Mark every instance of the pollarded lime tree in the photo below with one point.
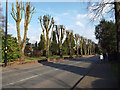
(85, 45)
(81, 45)
(90, 42)
(54, 45)
(29, 11)
(65, 47)
(46, 24)
(70, 41)
(93, 48)
(17, 16)
(60, 31)
(88, 47)
(76, 39)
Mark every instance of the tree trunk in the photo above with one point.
(77, 50)
(81, 50)
(60, 50)
(70, 49)
(88, 51)
(85, 51)
(117, 23)
(24, 39)
(18, 34)
(47, 46)
(91, 51)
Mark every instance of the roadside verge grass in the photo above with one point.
(43, 57)
(34, 58)
(40, 58)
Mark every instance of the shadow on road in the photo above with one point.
(69, 68)
(92, 59)
(98, 73)
(73, 68)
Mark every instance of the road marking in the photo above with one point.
(39, 74)
(41, 68)
(29, 71)
(14, 69)
(26, 79)
(34, 76)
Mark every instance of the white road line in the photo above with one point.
(36, 76)
(39, 69)
(29, 71)
(27, 78)
(13, 69)
(68, 63)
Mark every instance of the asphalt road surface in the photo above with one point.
(60, 74)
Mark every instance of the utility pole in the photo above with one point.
(6, 36)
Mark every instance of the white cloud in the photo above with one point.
(81, 16)
(93, 36)
(57, 20)
(33, 39)
(69, 27)
(22, 24)
(34, 34)
(66, 27)
(89, 33)
(78, 23)
(11, 27)
(58, 17)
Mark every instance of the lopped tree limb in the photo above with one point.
(28, 13)
(52, 21)
(17, 17)
(13, 14)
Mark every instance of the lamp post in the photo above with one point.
(6, 36)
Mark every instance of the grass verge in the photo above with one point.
(34, 58)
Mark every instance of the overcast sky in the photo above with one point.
(74, 15)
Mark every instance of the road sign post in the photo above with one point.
(5, 61)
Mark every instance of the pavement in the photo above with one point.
(76, 73)
(101, 76)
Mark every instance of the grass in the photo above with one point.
(43, 57)
(2, 61)
(52, 57)
(34, 58)
(116, 68)
(66, 56)
(40, 58)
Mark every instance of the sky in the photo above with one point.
(73, 15)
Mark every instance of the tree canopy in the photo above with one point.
(106, 34)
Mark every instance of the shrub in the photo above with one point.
(13, 51)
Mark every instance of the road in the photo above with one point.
(59, 74)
